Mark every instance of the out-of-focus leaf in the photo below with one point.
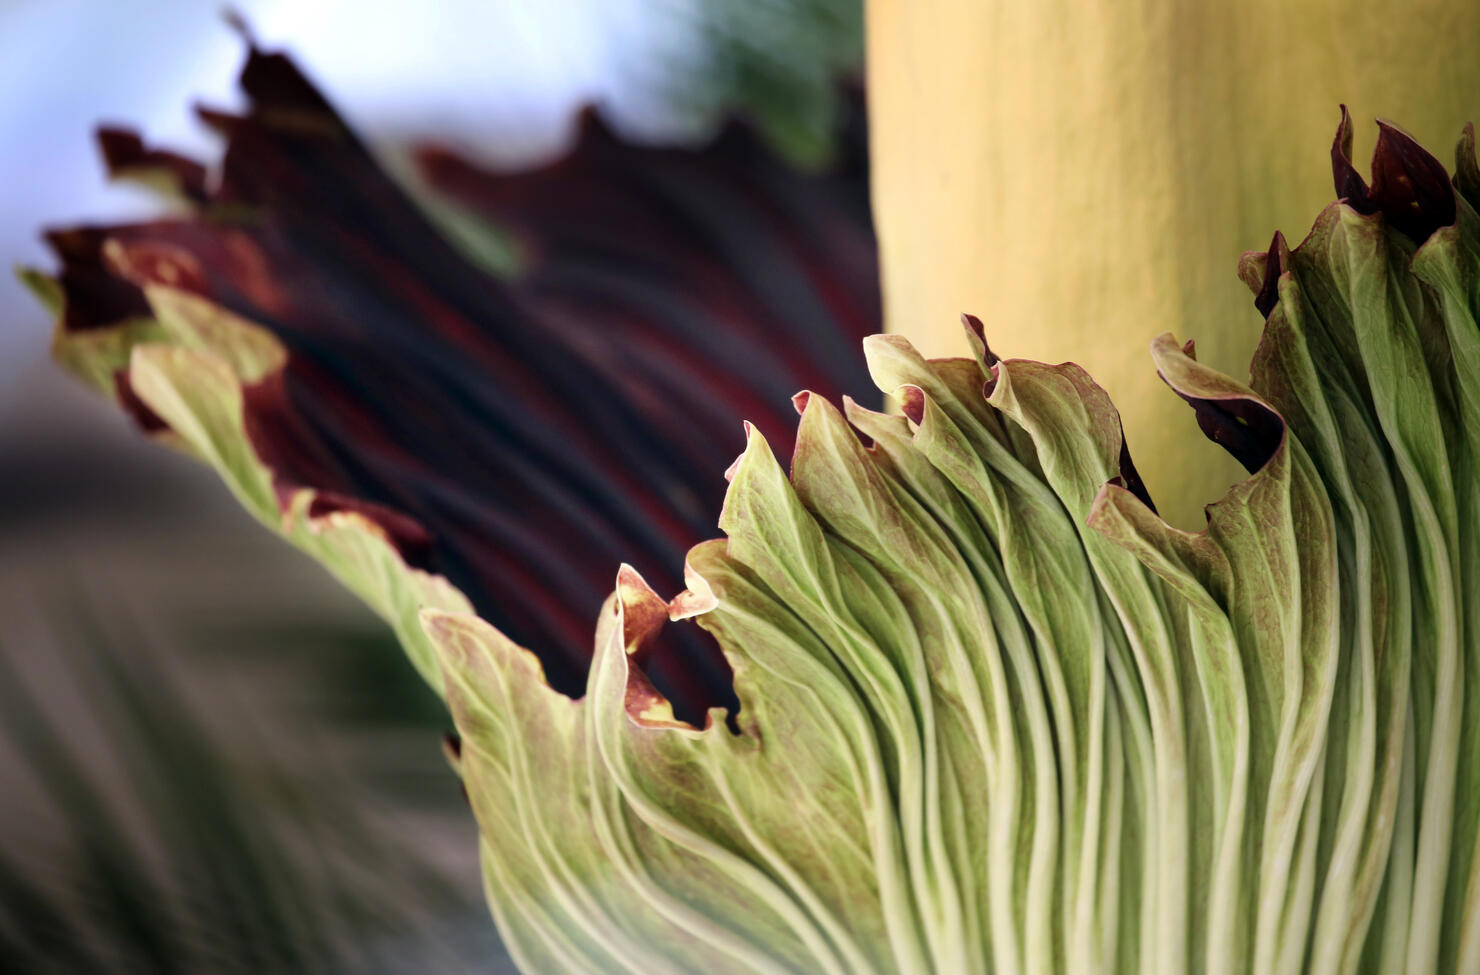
(777, 61)
(192, 843)
(512, 438)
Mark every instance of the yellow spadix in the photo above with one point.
(1083, 174)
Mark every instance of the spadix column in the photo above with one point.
(1084, 175)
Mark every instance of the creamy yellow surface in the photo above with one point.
(1083, 174)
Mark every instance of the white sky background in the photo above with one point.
(498, 77)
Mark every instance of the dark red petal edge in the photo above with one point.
(519, 437)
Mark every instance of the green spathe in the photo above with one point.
(999, 717)
(996, 714)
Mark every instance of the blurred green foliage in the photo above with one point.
(778, 62)
(185, 836)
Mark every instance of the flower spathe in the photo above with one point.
(997, 715)
(994, 713)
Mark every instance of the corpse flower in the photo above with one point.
(991, 712)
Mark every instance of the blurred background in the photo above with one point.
(211, 758)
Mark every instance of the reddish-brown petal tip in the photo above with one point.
(1410, 188)
(1276, 259)
(912, 402)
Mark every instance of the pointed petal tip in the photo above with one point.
(126, 154)
(1275, 260)
(627, 575)
(119, 145)
(1349, 183)
(237, 22)
(1409, 185)
(1410, 188)
(696, 600)
(912, 402)
(643, 611)
(976, 334)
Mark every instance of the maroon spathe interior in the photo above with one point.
(521, 436)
